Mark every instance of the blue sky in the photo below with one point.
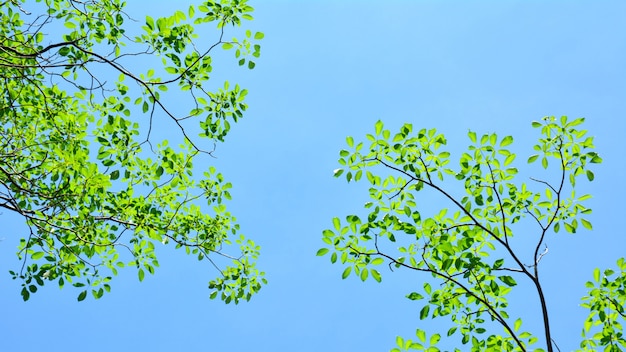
(330, 69)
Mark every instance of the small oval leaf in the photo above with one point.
(346, 272)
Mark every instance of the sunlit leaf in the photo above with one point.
(346, 272)
(322, 251)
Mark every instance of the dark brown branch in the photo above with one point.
(425, 168)
(535, 217)
(617, 306)
(39, 52)
(545, 183)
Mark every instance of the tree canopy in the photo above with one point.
(467, 247)
(79, 106)
(109, 124)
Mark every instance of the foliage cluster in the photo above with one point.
(82, 163)
(467, 248)
(77, 141)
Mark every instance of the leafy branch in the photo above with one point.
(461, 250)
(72, 164)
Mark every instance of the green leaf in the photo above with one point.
(64, 51)
(596, 275)
(498, 263)
(494, 288)
(82, 295)
(357, 175)
(25, 294)
(424, 312)
(379, 127)
(532, 158)
(590, 175)
(508, 280)
(364, 274)
(377, 261)
(434, 339)
(472, 136)
(596, 159)
(421, 335)
(376, 275)
(399, 341)
(150, 22)
(322, 251)
(493, 138)
(509, 159)
(517, 324)
(414, 296)
(259, 35)
(506, 141)
(141, 274)
(337, 224)
(346, 272)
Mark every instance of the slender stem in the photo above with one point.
(542, 299)
(544, 312)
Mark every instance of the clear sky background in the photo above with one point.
(330, 69)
